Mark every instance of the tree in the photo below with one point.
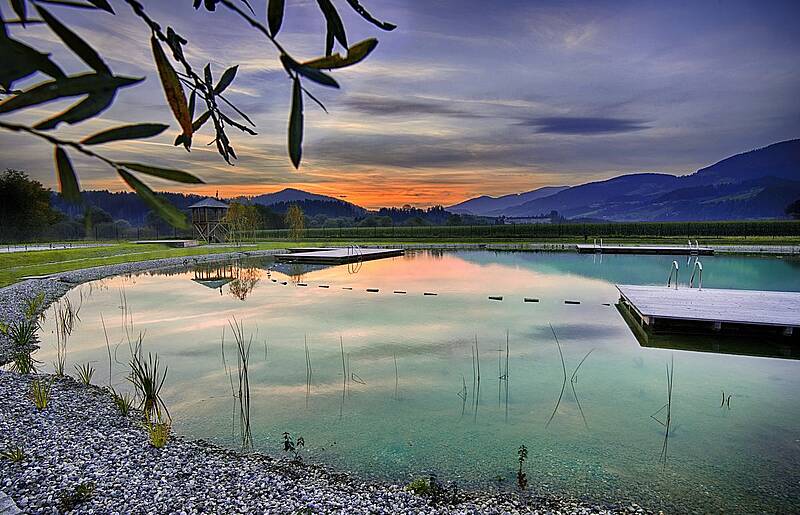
(793, 209)
(24, 207)
(242, 219)
(295, 221)
(98, 86)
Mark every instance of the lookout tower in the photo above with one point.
(208, 219)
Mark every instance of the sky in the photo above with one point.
(464, 98)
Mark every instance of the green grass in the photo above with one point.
(16, 265)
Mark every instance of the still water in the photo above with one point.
(391, 391)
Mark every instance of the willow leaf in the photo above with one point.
(367, 16)
(226, 80)
(67, 181)
(173, 90)
(125, 132)
(90, 106)
(296, 124)
(165, 210)
(73, 86)
(74, 42)
(308, 72)
(164, 173)
(275, 15)
(335, 25)
(355, 54)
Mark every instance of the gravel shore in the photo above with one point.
(81, 438)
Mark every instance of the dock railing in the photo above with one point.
(673, 270)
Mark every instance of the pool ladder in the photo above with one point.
(697, 271)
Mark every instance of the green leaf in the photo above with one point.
(164, 209)
(91, 106)
(19, 61)
(296, 124)
(355, 54)
(165, 173)
(74, 42)
(192, 100)
(102, 4)
(173, 90)
(335, 25)
(135, 131)
(226, 79)
(367, 16)
(275, 16)
(308, 72)
(73, 86)
(67, 181)
(196, 125)
(21, 9)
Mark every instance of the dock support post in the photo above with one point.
(787, 331)
(717, 326)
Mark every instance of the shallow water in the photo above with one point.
(427, 415)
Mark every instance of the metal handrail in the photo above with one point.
(697, 266)
(673, 268)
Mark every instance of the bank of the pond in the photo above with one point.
(81, 438)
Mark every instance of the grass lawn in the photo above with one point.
(15, 265)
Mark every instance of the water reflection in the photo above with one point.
(392, 403)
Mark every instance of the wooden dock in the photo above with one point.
(712, 310)
(337, 256)
(670, 250)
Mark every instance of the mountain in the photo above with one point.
(752, 185)
(489, 206)
(290, 195)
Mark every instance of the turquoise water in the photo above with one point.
(408, 403)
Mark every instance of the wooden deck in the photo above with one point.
(710, 309)
(671, 250)
(337, 256)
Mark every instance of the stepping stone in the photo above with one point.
(7, 505)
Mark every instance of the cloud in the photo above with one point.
(584, 125)
(386, 106)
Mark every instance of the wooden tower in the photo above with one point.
(208, 219)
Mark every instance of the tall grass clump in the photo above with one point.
(14, 454)
(24, 340)
(85, 373)
(158, 431)
(65, 315)
(148, 378)
(40, 392)
(123, 402)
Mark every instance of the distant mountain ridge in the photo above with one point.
(752, 185)
(488, 206)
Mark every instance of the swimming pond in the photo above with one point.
(384, 384)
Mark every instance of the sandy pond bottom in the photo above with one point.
(409, 403)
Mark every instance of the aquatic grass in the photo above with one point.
(123, 402)
(148, 379)
(14, 454)
(522, 477)
(85, 373)
(309, 369)
(158, 432)
(243, 381)
(293, 446)
(40, 392)
(667, 410)
(564, 383)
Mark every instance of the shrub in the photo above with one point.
(80, 494)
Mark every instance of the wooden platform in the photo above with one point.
(337, 256)
(671, 250)
(171, 243)
(711, 309)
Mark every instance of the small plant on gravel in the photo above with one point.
(80, 494)
(123, 402)
(293, 446)
(419, 486)
(439, 493)
(33, 307)
(522, 477)
(158, 431)
(85, 373)
(40, 392)
(15, 454)
(22, 335)
(148, 379)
